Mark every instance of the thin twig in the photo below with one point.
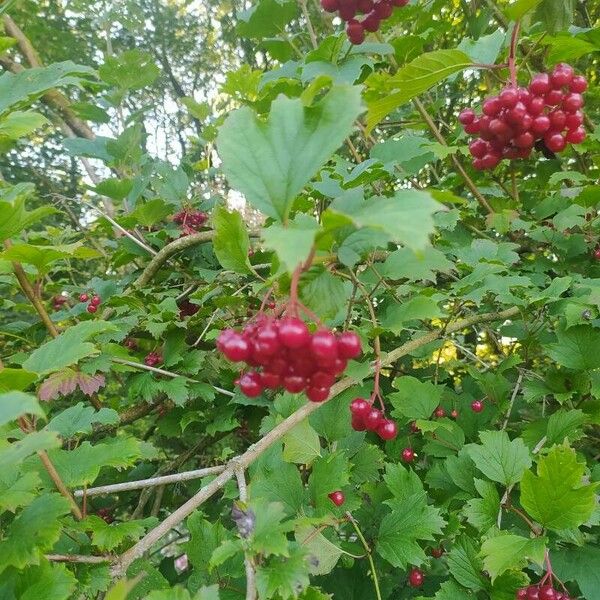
(361, 537)
(249, 566)
(127, 486)
(78, 558)
(512, 400)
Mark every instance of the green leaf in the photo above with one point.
(48, 581)
(482, 512)
(291, 242)
(410, 521)
(31, 83)
(499, 458)
(402, 482)
(14, 217)
(67, 349)
(579, 565)
(301, 445)
(41, 257)
(80, 418)
(20, 123)
(33, 532)
(107, 537)
(556, 16)
(319, 547)
(520, 8)
(417, 308)
(324, 293)
(16, 404)
(15, 453)
(415, 399)
(279, 482)
(465, 564)
(329, 473)
(507, 551)
(556, 497)
(114, 188)
(266, 18)
(417, 77)
(17, 490)
(271, 162)
(416, 266)
(285, 577)
(131, 70)
(205, 538)
(407, 217)
(576, 348)
(449, 590)
(231, 241)
(15, 379)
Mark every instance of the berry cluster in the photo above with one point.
(152, 359)
(94, 301)
(190, 220)
(289, 355)
(541, 592)
(365, 417)
(547, 115)
(374, 11)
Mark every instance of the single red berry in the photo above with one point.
(574, 120)
(555, 142)
(83, 297)
(270, 381)
(383, 9)
(466, 116)
(578, 84)
(540, 84)
(521, 594)
(437, 552)
(349, 345)
(554, 97)
(235, 347)
(540, 124)
(576, 136)
(562, 75)
(364, 6)
(408, 455)
(532, 592)
(439, 412)
(416, 577)
(525, 140)
(294, 384)
(92, 308)
(508, 97)
(572, 102)
(546, 592)
(478, 148)
(359, 407)
(371, 22)
(96, 300)
(454, 414)
(537, 105)
(250, 384)
(293, 332)
(347, 10)
(491, 106)
(477, 406)
(414, 428)
(372, 419)
(387, 429)
(597, 253)
(324, 345)
(317, 394)
(355, 32)
(337, 498)
(358, 423)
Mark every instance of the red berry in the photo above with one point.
(324, 345)
(408, 455)
(597, 254)
(322, 379)
(250, 384)
(387, 429)
(355, 32)
(364, 6)
(319, 394)
(491, 107)
(540, 124)
(358, 423)
(466, 116)
(525, 140)
(96, 300)
(474, 127)
(337, 498)
(414, 428)
(293, 333)
(437, 552)
(537, 105)
(92, 308)
(572, 102)
(83, 297)
(416, 577)
(558, 120)
(383, 9)
(578, 84)
(515, 115)
(371, 22)
(477, 406)
(546, 592)
(478, 148)
(508, 97)
(270, 381)
(330, 5)
(236, 347)
(576, 136)
(359, 407)
(347, 10)
(562, 75)
(267, 339)
(540, 84)
(439, 412)
(554, 97)
(454, 414)
(532, 592)
(349, 345)
(521, 594)
(294, 384)
(372, 419)
(555, 142)
(574, 120)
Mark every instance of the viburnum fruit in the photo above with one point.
(83, 297)
(96, 300)
(152, 359)
(58, 302)
(597, 253)
(373, 12)
(366, 417)
(454, 414)
(337, 497)
(547, 115)
(540, 592)
(416, 577)
(283, 353)
(477, 406)
(408, 455)
(437, 552)
(190, 220)
(439, 412)
(91, 308)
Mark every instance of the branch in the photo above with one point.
(150, 482)
(77, 558)
(249, 566)
(256, 450)
(512, 400)
(60, 485)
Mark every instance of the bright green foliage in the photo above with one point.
(557, 497)
(504, 552)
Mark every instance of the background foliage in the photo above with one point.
(115, 116)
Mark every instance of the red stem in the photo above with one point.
(512, 61)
